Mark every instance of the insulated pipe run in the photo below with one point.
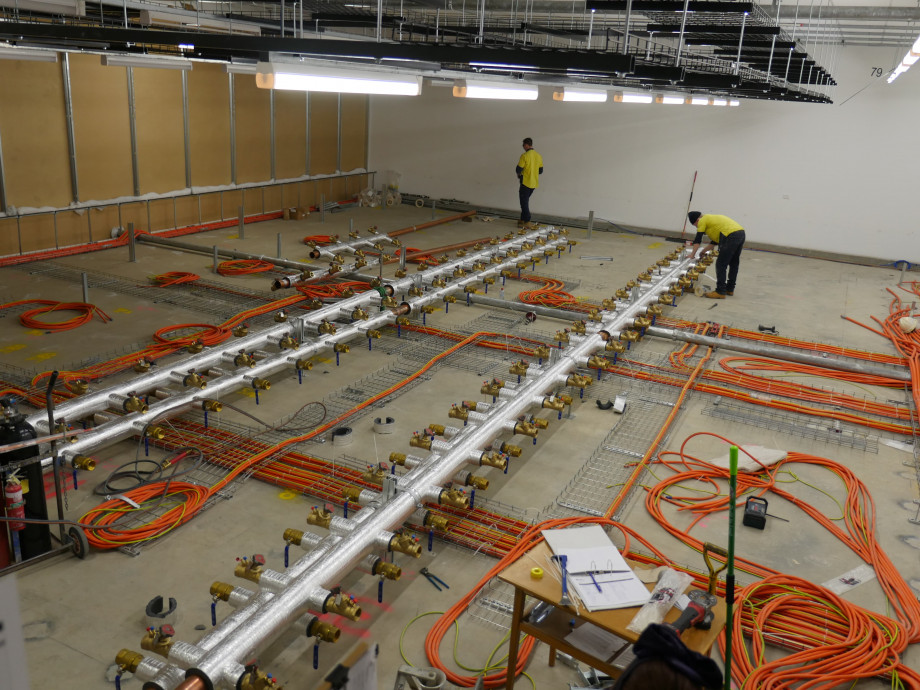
(774, 352)
(422, 483)
(87, 405)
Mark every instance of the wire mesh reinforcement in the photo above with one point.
(794, 424)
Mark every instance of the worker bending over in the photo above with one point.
(663, 662)
(729, 236)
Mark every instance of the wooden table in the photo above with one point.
(557, 624)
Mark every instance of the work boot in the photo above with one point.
(714, 295)
(730, 293)
(521, 223)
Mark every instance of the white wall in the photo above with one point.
(835, 178)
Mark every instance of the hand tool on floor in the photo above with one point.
(768, 329)
(434, 579)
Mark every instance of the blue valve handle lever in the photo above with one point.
(434, 579)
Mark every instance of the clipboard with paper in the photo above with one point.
(597, 572)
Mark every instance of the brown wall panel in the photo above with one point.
(33, 127)
(290, 195)
(252, 200)
(233, 199)
(101, 128)
(162, 215)
(209, 124)
(273, 198)
(210, 207)
(72, 228)
(9, 237)
(354, 131)
(290, 134)
(104, 218)
(253, 130)
(337, 189)
(37, 232)
(186, 211)
(324, 124)
(130, 213)
(307, 193)
(160, 138)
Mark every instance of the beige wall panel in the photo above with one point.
(252, 201)
(272, 198)
(160, 138)
(132, 213)
(72, 228)
(253, 130)
(101, 128)
(210, 207)
(354, 131)
(209, 124)
(323, 189)
(290, 195)
(9, 237)
(37, 232)
(233, 199)
(308, 195)
(186, 211)
(33, 126)
(290, 134)
(337, 189)
(324, 124)
(162, 215)
(103, 219)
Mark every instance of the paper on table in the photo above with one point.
(588, 549)
(604, 591)
(595, 641)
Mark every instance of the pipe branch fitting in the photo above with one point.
(454, 498)
(319, 517)
(425, 518)
(250, 568)
(321, 630)
(342, 605)
(467, 478)
(159, 640)
(83, 462)
(579, 381)
(404, 543)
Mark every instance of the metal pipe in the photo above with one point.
(151, 380)
(132, 130)
(787, 354)
(422, 226)
(231, 253)
(71, 138)
(421, 484)
(433, 250)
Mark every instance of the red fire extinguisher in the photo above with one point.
(15, 505)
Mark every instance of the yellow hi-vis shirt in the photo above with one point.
(715, 225)
(530, 164)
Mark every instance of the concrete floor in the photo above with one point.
(78, 614)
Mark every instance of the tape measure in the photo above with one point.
(536, 573)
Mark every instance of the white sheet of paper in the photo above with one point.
(609, 590)
(587, 549)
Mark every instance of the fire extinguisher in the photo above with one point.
(15, 505)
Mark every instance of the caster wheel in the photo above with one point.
(699, 291)
(78, 543)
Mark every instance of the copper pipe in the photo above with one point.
(431, 223)
(445, 248)
(192, 683)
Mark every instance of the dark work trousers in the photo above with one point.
(729, 257)
(524, 193)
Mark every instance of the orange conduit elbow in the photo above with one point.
(242, 267)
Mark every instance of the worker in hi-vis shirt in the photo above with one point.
(529, 169)
(729, 236)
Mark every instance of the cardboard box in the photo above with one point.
(301, 212)
(286, 214)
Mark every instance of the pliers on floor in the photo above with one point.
(434, 579)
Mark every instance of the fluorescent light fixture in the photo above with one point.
(621, 97)
(720, 101)
(670, 100)
(72, 8)
(580, 95)
(734, 103)
(28, 54)
(143, 61)
(465, 88)
(699, 100)
(295, 76)
(912, 55)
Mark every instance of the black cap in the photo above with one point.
(693, 216)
